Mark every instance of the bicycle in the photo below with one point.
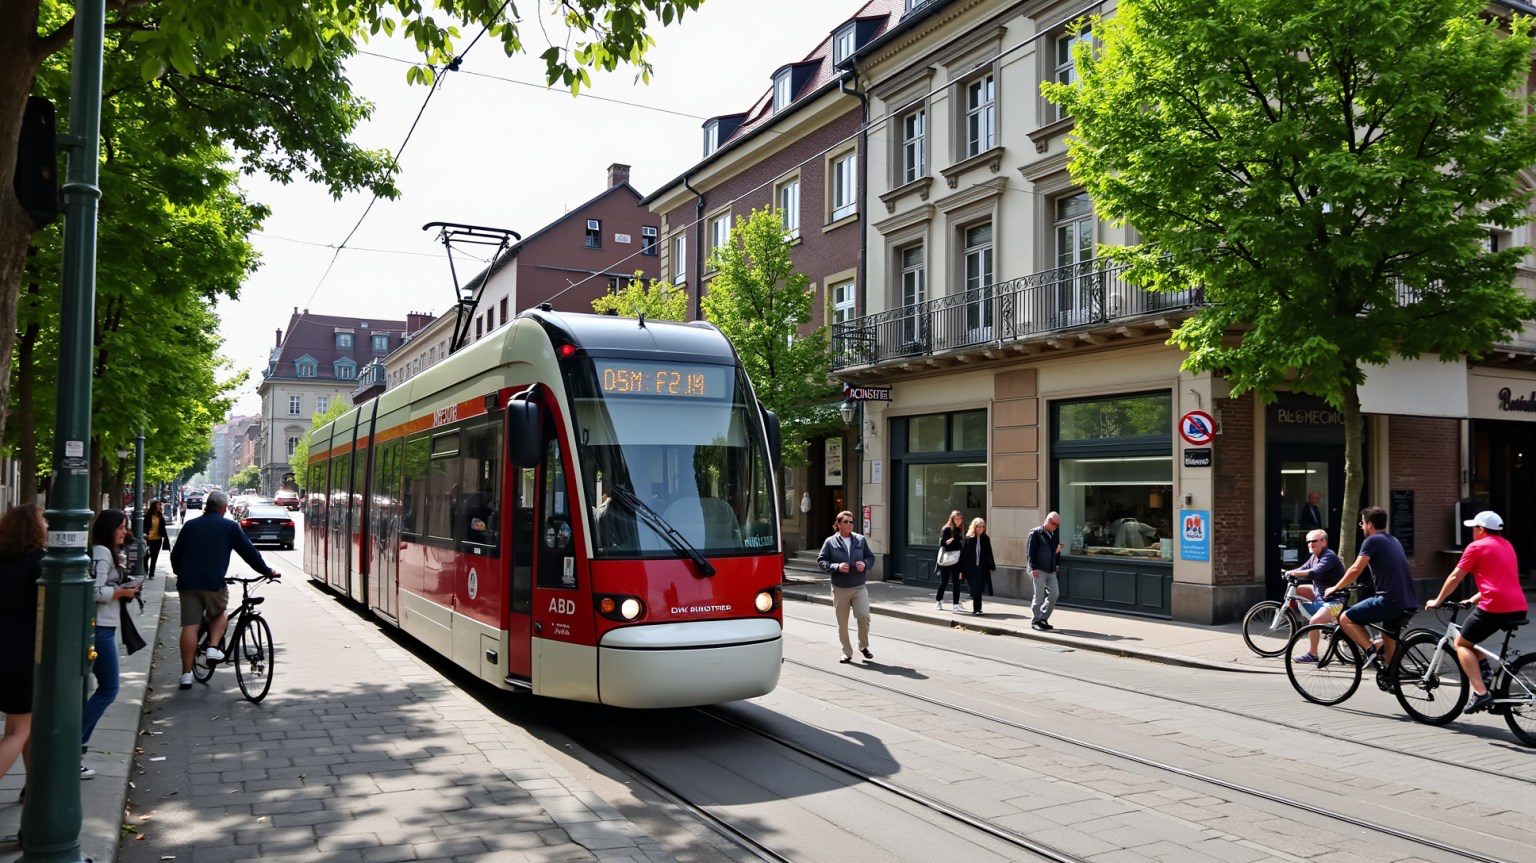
(1340, 664)
(1269, 625)
(1432, 688)
(253, 651)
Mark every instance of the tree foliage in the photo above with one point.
(652, 299)
(246, 477)
(337, 405)
(762, 305)
(1326, 171)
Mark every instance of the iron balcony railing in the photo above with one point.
(1066, 298)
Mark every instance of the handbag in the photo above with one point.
(949, 558)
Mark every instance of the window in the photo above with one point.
(783, 90)
(789, 206)
(647, 247)
(980, 116)
(305, 369)
(949, 471)
(978, 278)
(293, 444)
(322, 403)
(842, 295)
(345, 370)
(913, 280)
(845, 186)
(594, 234)
(490, 319)
(503, 309)
(1066, 67)
(719, 233)
(1073, 296)
(914, 135)
(343, 341)
(431, 355)
(1115, 474)
(679, 259)
(295, 404)
(844, 42)
(711, 136)
(381, 344)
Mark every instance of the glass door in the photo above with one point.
(1306, 488)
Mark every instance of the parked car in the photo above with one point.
(268, 524)
(286, 497)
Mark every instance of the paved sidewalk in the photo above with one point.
(1213, 647)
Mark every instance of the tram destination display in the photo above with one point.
(665, 380)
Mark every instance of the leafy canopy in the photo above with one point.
(654, 299)
(761, 304)
(299, 461)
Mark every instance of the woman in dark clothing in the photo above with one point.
(977, 562)
(23, 541)
(950, 539)
(154, 534)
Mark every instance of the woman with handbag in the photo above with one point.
(155, 534)
(112, 585)
(977, 562)
(948, 565)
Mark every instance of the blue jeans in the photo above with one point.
(105, 669)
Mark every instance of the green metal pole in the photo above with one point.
(50, 820)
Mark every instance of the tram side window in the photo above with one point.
(477, 513)
(413, 501)
(443, 489)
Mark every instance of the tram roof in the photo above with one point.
(603, 333)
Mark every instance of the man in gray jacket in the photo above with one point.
(847, 558)
(1044, 554)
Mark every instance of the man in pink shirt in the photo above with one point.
(1491, 560)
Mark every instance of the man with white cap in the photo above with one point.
(1491, 560)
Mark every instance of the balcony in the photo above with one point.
(1078, 298)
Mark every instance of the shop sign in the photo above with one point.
(1197, 427)
(1195, 534)
(867, 514)
(1200, 457)
(1508, 401)
(833, 473)
(867, 394)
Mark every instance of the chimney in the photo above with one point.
(416, 321)
(617, 174)
(279, 337)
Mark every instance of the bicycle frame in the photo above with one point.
(1290, 603)
(1446, 647)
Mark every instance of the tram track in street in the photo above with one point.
(1175, 699)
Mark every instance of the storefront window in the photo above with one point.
(1114, 470)
(971, 430)
(936, 490)
(926, 434)
(1107, 419)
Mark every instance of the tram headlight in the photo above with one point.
(768, 600)
(630, 608)
(624, 608)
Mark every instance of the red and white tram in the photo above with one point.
(580, 505)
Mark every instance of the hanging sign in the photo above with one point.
(1197, 427)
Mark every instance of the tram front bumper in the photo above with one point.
(689, 664)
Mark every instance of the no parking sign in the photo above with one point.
(1197, 427)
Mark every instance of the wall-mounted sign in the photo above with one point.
(1195, 534)
(867, 514)
(1197, 427)
(1400, 519)
(833, 473)
(621, 238)
(867, 394)
(1197, 457)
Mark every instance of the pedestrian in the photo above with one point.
(951, 537)
(977, 561)
(847, 558)
(112, 585)
(155, 534)
(1043, 553)
(23, 542)
(200, 561)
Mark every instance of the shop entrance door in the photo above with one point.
(1305, 490)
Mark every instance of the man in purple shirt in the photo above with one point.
(1324, 569)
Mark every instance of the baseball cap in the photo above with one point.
(1487, 520)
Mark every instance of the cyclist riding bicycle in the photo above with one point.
(1383, 554)
(1500, 601)
(200, 560)
(1324, 569)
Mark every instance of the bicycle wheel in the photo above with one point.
(1334, 676)
(253, 658)
(1267, 628)
(201, 670)
(1519, 682)
(1428, 683)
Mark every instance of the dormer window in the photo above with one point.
(345, 369)
(343, 341)
(594, 234)
(844, 42)
(305, 366)
(783, 90)
(711, 136)
(381, 344)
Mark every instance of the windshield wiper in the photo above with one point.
(666, 531)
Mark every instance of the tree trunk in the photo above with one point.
(1354, 472)
(26, 373)
(18, 67)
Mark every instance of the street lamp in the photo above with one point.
(848, 409)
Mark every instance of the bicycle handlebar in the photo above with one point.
(229, 579)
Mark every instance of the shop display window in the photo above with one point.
(1117, 506)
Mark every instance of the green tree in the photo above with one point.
(266, 78)
(1324, 170)
(247, 477)
(763, 306)
(654, 299)
(337, 405)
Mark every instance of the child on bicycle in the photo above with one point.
(1500, 601)
(1324, 569)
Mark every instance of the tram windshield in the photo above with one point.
(686, 440)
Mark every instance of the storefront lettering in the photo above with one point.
(1526, 404)
(1309, 416)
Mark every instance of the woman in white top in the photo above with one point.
(112, 585)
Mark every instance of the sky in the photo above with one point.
(501, 154)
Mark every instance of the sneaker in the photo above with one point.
(938, 606)
(846, 659)
(186, 681)
(1370, 657)
(86, 772)
(1039, 625)
(214, 654)
(957, 609)
(867, 654)
(1307, 657)
(1478, 702)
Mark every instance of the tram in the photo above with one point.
(578, 505)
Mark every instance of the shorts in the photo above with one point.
(1333, 605)
(1481, 624)
(1374, 609)
(198, 604)
(16, 689)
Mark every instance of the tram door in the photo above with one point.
(521, 497)
(564, 656)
